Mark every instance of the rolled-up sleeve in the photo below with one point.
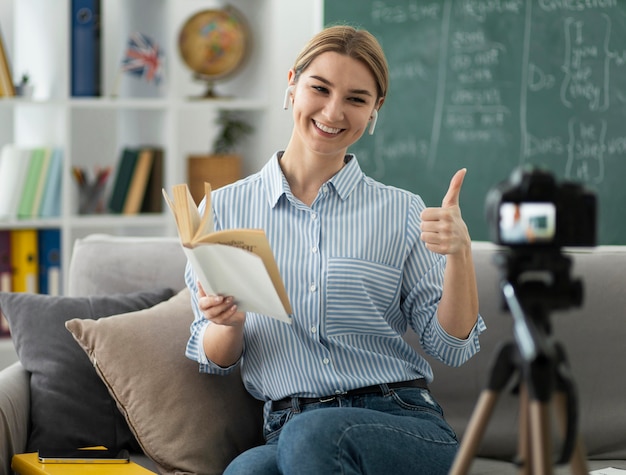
(195, 348)
(449, 349)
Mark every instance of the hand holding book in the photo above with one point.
(237, 262)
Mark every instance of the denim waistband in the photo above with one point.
(287, 402)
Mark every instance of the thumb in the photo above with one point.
(452, 196)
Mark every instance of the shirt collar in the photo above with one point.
(344, 182)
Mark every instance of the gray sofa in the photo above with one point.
(593, 336)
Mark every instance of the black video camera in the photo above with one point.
(531, 209)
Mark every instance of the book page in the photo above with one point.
(205, 225)
(235, 272)
(254, 241)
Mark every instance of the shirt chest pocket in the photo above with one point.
(362, 298)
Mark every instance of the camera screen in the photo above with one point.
(527, 223)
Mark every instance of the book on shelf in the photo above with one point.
(32, 189)
(49, 254)
(234, 262)
(30, 182)
(123, 177)
(50, 205)
(24, 260)
(85, 48)
(153, 198)
(7, 88)
(138, 181)
(5, 274)
(14, 164)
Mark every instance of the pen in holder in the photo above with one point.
(91, 190)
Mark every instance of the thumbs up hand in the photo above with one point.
(443, 229)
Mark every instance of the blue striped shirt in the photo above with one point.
(357, 275)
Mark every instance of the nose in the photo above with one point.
(333, 109)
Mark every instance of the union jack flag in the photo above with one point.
(143, 58)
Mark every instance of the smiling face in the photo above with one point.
(333, 100)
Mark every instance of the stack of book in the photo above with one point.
(30, 182)
(30, 261)
(138, 182)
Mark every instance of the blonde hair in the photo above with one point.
(357, 44)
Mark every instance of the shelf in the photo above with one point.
(32, 223)
(118, 104)
(93, 221)
(93, 131)
(96, 221)
(225, 103)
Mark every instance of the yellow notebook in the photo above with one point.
(28, 464)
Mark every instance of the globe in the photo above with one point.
(214, 44)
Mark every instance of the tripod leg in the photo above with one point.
(540, 444)
(523, 447)
(475, 430)
(578, 462)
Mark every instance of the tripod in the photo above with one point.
(533, 283)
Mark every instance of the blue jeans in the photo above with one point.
(401, 431)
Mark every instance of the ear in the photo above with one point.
(374, 117)
(287, 98)
(291, 85)
(373, 120)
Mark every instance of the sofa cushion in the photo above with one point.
(103, 264)
(70, 407)
(592, 335)
(184, 420)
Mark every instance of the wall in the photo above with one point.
(293, 22)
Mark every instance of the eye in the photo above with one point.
(321, 89)
(358, 100)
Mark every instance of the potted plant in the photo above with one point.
(24, 88)
(223, 165)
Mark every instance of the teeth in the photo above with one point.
(328, 130)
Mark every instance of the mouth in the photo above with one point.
(326, 129)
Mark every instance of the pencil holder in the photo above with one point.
(91, 198)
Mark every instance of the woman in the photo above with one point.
(361, 262)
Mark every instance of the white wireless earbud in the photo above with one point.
(373, 120)
(287, 97)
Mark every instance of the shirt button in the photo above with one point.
(313, 288)
(313, 215)
(314, 249)
(313, 330)
(326, 361)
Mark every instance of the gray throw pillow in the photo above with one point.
(70, 406)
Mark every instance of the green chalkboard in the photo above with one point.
(493, 85)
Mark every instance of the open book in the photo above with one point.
(237, 262)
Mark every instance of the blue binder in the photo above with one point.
(85, 55)
(49, 243)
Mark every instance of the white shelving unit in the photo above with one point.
(93, 131)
